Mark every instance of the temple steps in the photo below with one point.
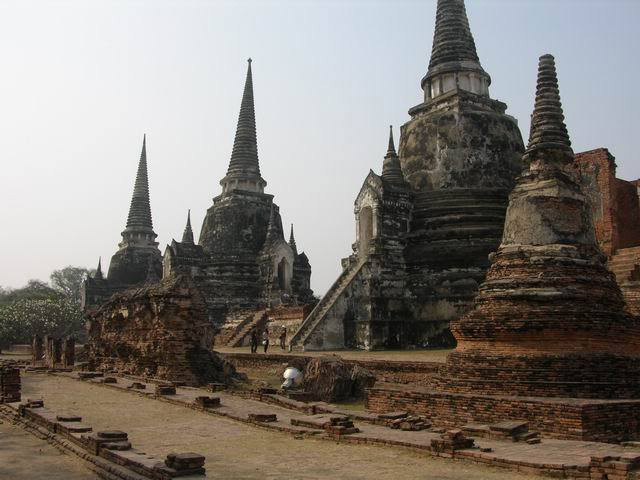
(245, 327)
(317, 315)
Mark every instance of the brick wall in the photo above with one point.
(614, 202)
(415, 373)
(627, 214)
(595, 420)
(598, 169)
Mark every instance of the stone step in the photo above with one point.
(318, 313)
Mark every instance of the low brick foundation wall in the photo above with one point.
(415, 373)
(565, 418)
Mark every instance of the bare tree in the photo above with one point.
(68, 281)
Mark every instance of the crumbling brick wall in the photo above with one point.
(159, 331)
(614, 202)
(628, 214)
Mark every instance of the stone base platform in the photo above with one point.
(562, 418)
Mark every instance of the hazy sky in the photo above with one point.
(82, 82)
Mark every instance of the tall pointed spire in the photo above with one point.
(98, 275)
(187, 235)
(391, 170)
(244, 167)
(453, 52)
(140, 209)
(548, 130)
(292, 241)
(452, 39)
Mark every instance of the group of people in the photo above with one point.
(265, 339)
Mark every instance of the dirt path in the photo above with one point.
(238, 451)
(25, 457)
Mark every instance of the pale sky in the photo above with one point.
(82, 81)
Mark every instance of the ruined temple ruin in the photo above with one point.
(548, 326)
(158, 331)
(426, 226)
(242, 261)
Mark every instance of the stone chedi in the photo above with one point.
(242, 260)
(548, 340)
(138, 258)
(426, 226)
(549, 319)
(460, 153)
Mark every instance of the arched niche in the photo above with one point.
(365, 228)
(283, 275)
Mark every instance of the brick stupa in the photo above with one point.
(548, 340)
(549, 319)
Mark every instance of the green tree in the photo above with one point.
(34, 289)
(68, 281)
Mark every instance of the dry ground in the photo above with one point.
(23, 456)
(238, 451)
(398, 355)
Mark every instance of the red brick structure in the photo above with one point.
(614, 202)
(158, 331)
(615, 206)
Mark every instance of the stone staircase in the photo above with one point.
(317, 315)
(245, 327)
(624, 262)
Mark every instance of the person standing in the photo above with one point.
(265, 339)
(254, 341)
(283, 337)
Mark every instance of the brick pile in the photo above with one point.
(613, 467)
(165, 389)
(450, 441)
(404, 421)
(9, 382)
(332, 424)
(182, 464)
(262, 417)
(207, 402)
(159, 331)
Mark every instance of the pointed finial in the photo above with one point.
(187, 235)
(249, 60)
(391, 150)
(292, 241)
(548, 130)
(140, 208)
(391, 169)
(244, 156)
(98, 275)
(454, 49)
